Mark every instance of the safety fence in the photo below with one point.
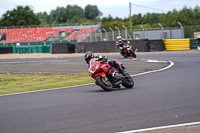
(141, 45)
(32, 47)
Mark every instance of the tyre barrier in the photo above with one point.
(177, 44)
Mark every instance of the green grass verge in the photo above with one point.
(16, 83)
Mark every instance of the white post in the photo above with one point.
(162, 30)
(125, 31)
(182, 33)
(113, 34)
(118, 31)
(106, 34)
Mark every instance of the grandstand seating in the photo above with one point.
(36, 34)
(83, 31)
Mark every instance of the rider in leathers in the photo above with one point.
(120, 43)
(89, 55)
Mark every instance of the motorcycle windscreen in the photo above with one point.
(93, 63)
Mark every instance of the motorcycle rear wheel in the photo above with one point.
(129, 82)
(104, 83)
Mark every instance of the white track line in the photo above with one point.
(162, 69)
(171, 64)
(163, 127)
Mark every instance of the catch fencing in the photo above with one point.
(151, 34)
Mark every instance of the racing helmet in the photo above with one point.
(119, 39)
(88, 56)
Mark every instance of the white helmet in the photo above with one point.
(119, 39)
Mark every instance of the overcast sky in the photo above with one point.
(116, 8)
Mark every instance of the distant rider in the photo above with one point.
(120, 43)
(89, 55)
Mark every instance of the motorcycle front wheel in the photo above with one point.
(133, 54)
(128, 83)
(104, 83)
(125, 55)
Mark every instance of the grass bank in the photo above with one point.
(16, 83)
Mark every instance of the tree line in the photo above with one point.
(21, 16)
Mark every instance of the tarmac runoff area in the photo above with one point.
(134, 66)
(161, 65)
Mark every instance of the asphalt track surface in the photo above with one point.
(161, 98)
(71, 65)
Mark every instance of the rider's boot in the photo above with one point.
(122, 71)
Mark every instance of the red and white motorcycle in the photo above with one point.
(98, 71)
(127, 51)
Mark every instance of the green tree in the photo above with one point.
(197, 14)
(92, 12)
(19, 16)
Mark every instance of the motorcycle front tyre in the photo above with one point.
(133, 54)
(129, 82)
(105, 85)
(125, 55)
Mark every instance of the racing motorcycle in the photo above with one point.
(127, 51)
(97, 71)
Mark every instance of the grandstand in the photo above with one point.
(38, 39)
(38, 34)
(83, 30)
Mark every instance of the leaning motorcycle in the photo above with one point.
(97, 71)
(127, 51)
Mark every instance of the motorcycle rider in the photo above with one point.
(89, 55)
(120, 43)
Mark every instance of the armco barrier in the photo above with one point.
(193, 43)
(58, 48)
(177, 44)
(6, 50)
